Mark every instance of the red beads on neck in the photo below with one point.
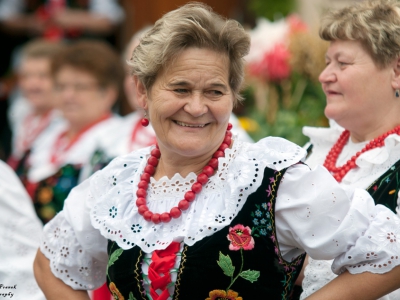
(332, 157)
(189, 196)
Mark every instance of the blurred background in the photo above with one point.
(282, 93)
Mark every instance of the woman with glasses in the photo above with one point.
(87, 79)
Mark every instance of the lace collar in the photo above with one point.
(371, 164)
(239, 174)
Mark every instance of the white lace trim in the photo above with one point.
(370, 165)
(214, 208)
(70, 261)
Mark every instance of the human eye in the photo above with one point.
(214, 93)
(181, 91)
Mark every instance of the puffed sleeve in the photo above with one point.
(76, 250)
(315, 214)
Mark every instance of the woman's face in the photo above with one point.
(79, 96)
(36, 83)
(358, 92)
(190, 103)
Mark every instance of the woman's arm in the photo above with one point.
(52, 287)
(363, 286)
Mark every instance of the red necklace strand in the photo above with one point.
(331, 158)
(190, 195)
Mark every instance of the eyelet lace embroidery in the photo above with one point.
(111, 200)
(220, 201)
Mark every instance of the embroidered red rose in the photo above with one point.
(115, 292)
(220, 294)
(240, 238)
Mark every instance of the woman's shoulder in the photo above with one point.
(273, 152)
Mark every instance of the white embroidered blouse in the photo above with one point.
(80, 153)
(370, 166)
(313, 213)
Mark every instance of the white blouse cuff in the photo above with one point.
(69, 261)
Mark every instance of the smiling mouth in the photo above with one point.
(190, 125)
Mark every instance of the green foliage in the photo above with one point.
(225, 263)
(289, 121)
(250, 275)
(271, 9)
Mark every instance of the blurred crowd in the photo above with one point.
(63, 82)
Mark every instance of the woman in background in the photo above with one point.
(87, 76)
(361, 81)
(33, 110)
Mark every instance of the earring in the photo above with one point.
(397, 93)
(145, 122)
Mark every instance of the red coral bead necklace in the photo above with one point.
(189, 196)
(332, 157)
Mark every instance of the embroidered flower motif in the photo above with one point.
(113, 212)
(115, 292)
(388, 237)
(222, 295)
(258, 213)
(262, 220)
(269, 191)
(136, 228)
(240, 238)
(240, 176)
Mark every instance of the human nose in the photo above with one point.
(196, 105)
(327, 75)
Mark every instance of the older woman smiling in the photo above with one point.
(202, 214)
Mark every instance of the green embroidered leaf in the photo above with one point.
(114, 256)
(250, 275)
(225, 263)
(131, 296)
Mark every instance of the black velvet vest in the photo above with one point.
(199, 273)
(385, 189)
(49, 194)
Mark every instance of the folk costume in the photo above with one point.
(244, 234)
(54, 165)
(377, 171)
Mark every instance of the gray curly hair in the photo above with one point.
(192, 25)
(375, 23)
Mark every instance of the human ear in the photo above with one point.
(141, 93)
(396, 74)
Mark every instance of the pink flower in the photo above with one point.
(240, 237)
(274, 66)
(277, 61)
(296, 24)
